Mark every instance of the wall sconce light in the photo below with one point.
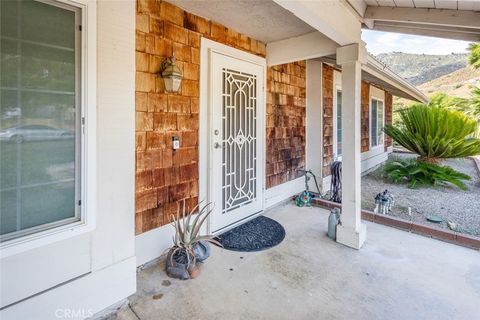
(171, 74)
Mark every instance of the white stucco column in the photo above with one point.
(314, 122)
(352, 232)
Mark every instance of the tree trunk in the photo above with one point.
(429, 160)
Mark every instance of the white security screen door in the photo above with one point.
(236, 144)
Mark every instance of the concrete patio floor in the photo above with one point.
(396, 275)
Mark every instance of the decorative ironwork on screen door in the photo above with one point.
(239, 118)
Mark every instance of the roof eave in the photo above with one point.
(381, 71)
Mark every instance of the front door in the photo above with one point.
(236, 144)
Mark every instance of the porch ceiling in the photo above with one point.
(428, 4)
(452, 19)
(263, 20)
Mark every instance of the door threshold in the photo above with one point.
(237, 223)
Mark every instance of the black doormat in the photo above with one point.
(255, 235)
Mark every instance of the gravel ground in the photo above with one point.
(448, 202)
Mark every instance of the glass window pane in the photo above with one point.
(8, 18)
(8, 202)
(373, 124)
(339, 123)
(38, 117)
(47, 24)
(380, 122)
(57, 199)
(47, 68)
(9, 63)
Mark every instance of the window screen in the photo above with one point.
(338, 131)
(376, 123)
(39, 117)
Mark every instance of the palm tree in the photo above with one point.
(474, 110)
(474, 57)
(474, 103)
(443, 100)
(435, 133)
(469, 106)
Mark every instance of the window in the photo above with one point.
(39, 117)
(376, 123)
(338, 125)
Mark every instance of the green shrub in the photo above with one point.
(443, 100)
(435, 133)
(474, 57)
(469, 107)
(418, 174)
(473, 107)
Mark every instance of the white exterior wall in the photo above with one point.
(108, 251)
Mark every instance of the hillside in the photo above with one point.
(421, 68)
(457, 83)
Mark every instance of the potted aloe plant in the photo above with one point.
(189, 246)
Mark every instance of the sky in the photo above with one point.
(383, 42)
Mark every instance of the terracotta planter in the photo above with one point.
(194, 270)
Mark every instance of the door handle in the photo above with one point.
(217, 145)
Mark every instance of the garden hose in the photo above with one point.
(336, 183)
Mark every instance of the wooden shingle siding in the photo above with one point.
(388, 117)
(365, 114)
(327, 97)
(286, 92)
(164, 178)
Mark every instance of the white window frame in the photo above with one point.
(335, 122)
(380, 145)
(87, 130)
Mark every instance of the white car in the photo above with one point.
(33, 132)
